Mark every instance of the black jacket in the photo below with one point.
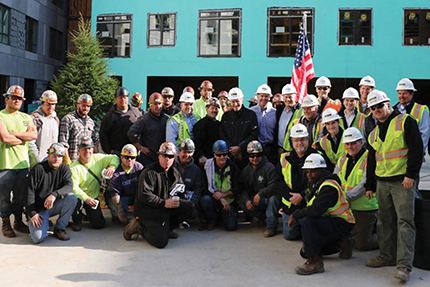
(206, 132)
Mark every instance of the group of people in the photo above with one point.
(341, 174)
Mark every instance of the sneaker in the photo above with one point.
(173, 234)
(378, 261)
(131, 229)
(269, 232)
(345, 247)
(402, 274)
(61, 234)
(312, 266)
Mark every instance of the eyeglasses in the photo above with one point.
(323, 88)
(128, 157)
(255, 155)
(221, 154)
(167, 97)
(168, 156)
(16, 98)
(378, 106)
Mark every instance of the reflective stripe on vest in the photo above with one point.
(294, 118)
(341, 209)
(223, 183)
(391, 154)
(334, 104)
(417, 112)
(183, 130)
(286, 172)
(325, 144)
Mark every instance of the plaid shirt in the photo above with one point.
(72, 129)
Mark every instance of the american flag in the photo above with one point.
(303, 69)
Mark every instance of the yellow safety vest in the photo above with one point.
(354, 178)
(392, 154)
(223, 183)
(286, 172)
(183, 129)
(325, 144)
(341, 209)
(297, 114)
(358, 121)
(417, 112)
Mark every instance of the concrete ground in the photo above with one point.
(196, 258)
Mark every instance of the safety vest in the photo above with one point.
(417, 112)
(341, 209)
(392, 154)
(358, 121)
(325, 144)
(223, 183)
(296, 115)
(334, 104)
(183, 129)
(354, 178)
(286, 172)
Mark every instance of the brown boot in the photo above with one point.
(345, 247)
(313, 265)
(6, 228)
(131, 229)
(19, 226)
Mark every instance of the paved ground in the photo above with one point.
(208, 258)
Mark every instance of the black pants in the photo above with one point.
(95, 216)
(156, 231)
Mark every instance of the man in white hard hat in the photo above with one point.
(351, 169)
(351, 117)
(285, 117)
(326, 220)
(323, 88)
(395, 158)
(367, 84)
(406, 105)
(239, 126)
(266, 117)
(311, 119)
(180, 126)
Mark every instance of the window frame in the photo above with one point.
(34, 38)
(161, 30)
(420, 28)
(355, 28)
(113, 21)
(309, 33)
(219, 18)
(7, 34)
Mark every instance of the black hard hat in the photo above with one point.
(121, 92)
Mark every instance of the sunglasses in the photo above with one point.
(255, 155)
(167, 97)
(221, 154)
(168, 156)
(323, 88)
(378, 106)
(128, 157)
(16, 98)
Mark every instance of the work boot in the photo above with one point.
(61, 234)
(378, 261)
(269, 232)
(6, 228)
(173, 234)
(313, 265)
(402, 274)
(131, 229)
(19, 226)
(345, 247)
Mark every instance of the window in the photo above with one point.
(56, 50)
(161, 30)
(417, 27)
(31, 27)
(219, 33)
(58, 3)
(284, 28)
(4, 24)
(355, 27)
(115, 34)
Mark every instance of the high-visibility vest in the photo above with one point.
(358, 121)
(183, 129)
(354, 178)
(223, 183)
(334, 104)
(325, 144)
(417, 112)
(392, 154)
(297, 114)
(341, 209)
(286, 172)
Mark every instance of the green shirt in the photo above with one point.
(84, 184)
(14, 156)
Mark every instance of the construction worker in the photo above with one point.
(326, 221)
(311, 119)
(206, 90)
(323, 88)
(406, 105)
(351, 117)
(223, 99)
(367, 84)
(394, 163)
(331, 144)
(136, 101)
(351, 169)
(169, 109)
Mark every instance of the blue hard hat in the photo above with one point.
(220, 146)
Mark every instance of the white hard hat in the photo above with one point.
(234, 94)
(350, 93)
(310, 101)
(367, 81)
(299, 131)
(264, 89)
(323, 82)
(289, 89)
(376, 96)
(329, 115)
(187, 97)
(314, 161)
(351, 135)
(405, 84)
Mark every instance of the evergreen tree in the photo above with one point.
(86, 72)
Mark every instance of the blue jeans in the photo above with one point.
(294, 233)
(126, 201)
(259, 210)
(273, 206)
(62, 206)
(12, 180)
(212, 209)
